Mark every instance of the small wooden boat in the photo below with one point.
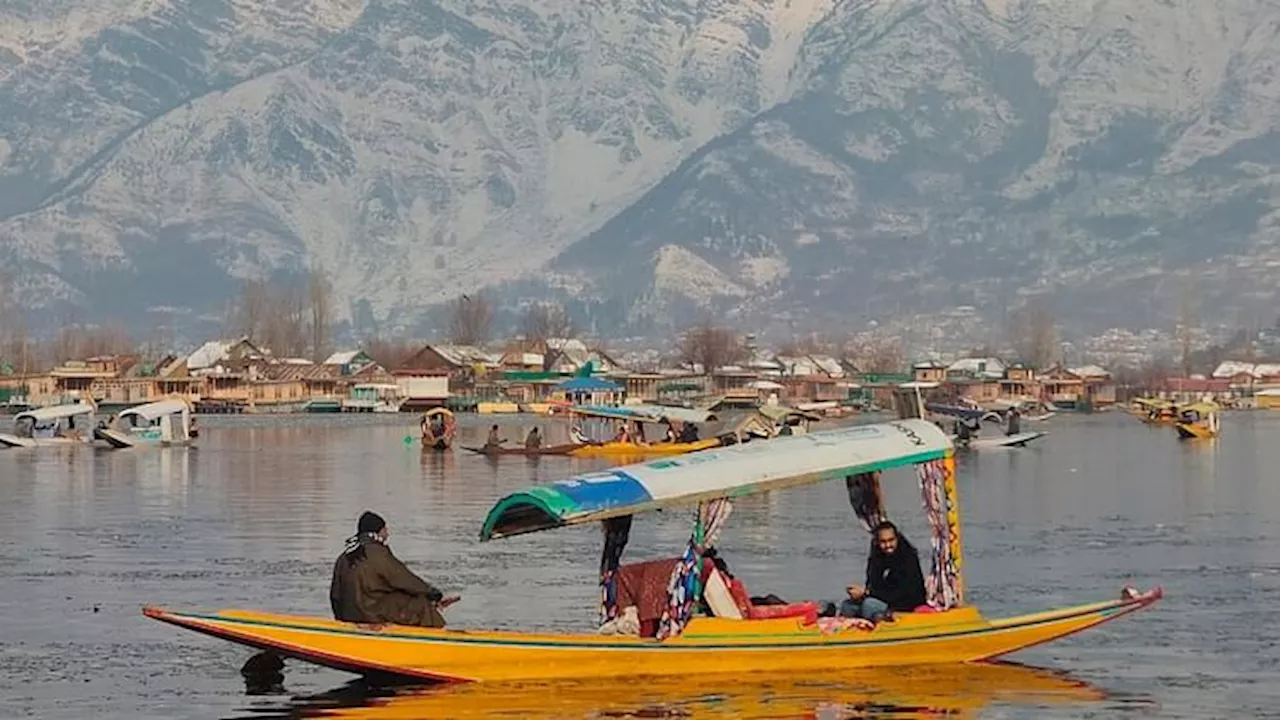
(995, 441)
(161, 423)
(639, 450)
(1198, 421)
(687, 643)
(564, 449)
(52, 427)
(439, 427)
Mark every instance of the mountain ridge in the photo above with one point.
(822, 161)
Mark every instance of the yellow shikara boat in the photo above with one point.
(1197, 421)
(637, 415)
(686, 642)
(639, 450)
(1154, 411)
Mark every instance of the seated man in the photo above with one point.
(533, 440)
(371, 585)
(894, 579)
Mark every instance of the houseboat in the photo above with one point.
(374, 397)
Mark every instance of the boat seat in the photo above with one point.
(807, 610)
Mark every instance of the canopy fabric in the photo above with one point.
(157, 410)
(588, 384)
(735, 471)
(55, 412)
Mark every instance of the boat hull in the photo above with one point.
(565, 449)
(1193, 431)
(120, 440)
(708, 645)
(14, 441)
(1016, 440)
(631, 450)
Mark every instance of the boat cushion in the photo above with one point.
(808, 609)
(719, 598)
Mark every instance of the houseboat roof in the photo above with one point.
(736, 471)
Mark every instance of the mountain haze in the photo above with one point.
(821, 159)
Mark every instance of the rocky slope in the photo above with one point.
(646, 159)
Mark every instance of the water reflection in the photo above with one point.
(926, 692)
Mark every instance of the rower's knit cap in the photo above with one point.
(370, 522)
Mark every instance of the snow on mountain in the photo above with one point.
(644, 159)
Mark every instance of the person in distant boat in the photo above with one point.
(670, 434)
(1015, 422)
(640, 438)
(689, 433)
(576, 434)
(370, 585)
(622, 436)
(533, 440)
(494, 440)
(894, 580)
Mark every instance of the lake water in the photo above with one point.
(254, 516)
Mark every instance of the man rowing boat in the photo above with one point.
(371, 585)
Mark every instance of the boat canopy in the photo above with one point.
(730, 472)
(156, 410)
(56, 412)
(778, 413)
(646, 413)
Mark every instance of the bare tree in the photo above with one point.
(811, 344)
(252, 309)
(544, 321)
(711, 347)
(470, 319)
(1185, 329)
(320, 301)
(284, 324)
(390, 354)
(1035, 336)
(875, 354)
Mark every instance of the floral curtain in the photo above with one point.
(684, 589)
(943, 585)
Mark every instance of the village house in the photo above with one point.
(589, 391)
(1082, 388)
(570, 356)
(1198, 388)
(978, 379)
(1019, 383)
(226, 369)
(929, 371)
(810, 378)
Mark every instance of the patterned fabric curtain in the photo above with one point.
(944, 585)
(864, 496)
(616, 532)
(684, 589)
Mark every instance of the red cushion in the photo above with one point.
(925, 609)
(808, 610)
(738, 592)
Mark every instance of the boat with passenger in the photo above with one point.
(1197, 421)
(438, 427)
(65, 425)
(707, 622)
(164, 423)
(674, 430)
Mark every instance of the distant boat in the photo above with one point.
(157, 424)
(51, 427)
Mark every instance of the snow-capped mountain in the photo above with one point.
(648, 158)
